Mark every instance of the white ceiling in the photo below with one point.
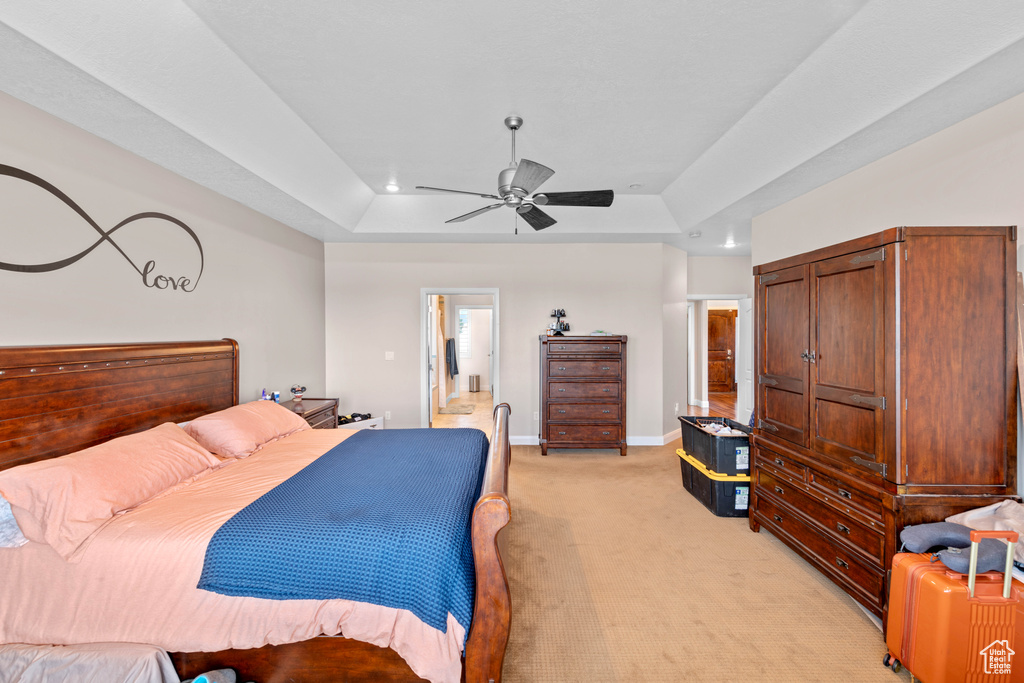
(304, 110)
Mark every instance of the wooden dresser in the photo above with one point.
(583, 392)
(320, 413)
(886, 393)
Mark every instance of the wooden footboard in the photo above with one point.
(343, 659)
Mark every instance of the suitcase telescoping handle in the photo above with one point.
(1011, 544)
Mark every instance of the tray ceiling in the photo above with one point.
(698, 115)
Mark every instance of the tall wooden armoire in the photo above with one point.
(886, 396)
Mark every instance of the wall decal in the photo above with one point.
(149, 273)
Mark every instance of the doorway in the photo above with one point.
(723, 367)
(459, 343)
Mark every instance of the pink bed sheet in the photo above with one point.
(134, 580)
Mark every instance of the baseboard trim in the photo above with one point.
(524, 440)
(663, 440)
(672, 436)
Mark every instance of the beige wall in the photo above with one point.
(262, 283)
(674, 333)
(717, 275)
(969, 174)
(373, 295)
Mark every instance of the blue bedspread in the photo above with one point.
(384, 518)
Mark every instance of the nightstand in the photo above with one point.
(320, 413)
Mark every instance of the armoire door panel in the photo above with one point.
(844, 431)
(847, 318)
(783, 353)
(847, 383)
(954, 274)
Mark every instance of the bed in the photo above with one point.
(58, 400)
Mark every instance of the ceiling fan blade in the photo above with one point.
(589, 198)
(530, 175)
(441, 189)
(537, 219)
(467, 216)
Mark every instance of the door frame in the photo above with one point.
(697, 354)
(425, 293)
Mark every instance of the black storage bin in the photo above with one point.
(721, 454)
(724, 495)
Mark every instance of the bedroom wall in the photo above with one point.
(373, 295)
(261, 283)
(968, 174)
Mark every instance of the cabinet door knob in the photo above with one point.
(844, 493)
(842, 528)
(777, 519)
(780, 462)
(778, 490)
(842, 563)
(561, 368)
(606, 433)
(562, 348)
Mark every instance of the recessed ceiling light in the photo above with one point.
(695, 233)
(391, 187)
(729, 245)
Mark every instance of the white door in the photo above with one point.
(745, 360)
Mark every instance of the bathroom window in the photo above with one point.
(465, 334)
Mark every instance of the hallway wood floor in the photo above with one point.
(722, 405)
(481, 418)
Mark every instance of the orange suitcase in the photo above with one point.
(946, 626)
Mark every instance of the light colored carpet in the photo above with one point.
(618, 574)
(457, 409)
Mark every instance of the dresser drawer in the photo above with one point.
(583, 368)
(832, 522)
(605, 390)
(583, 411)
(584, 347)
(844, 493)
(583, 434)
(325, 420)
(843, 565)
(780, 463)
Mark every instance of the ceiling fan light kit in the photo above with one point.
(518, 182)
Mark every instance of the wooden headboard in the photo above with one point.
(60, 399)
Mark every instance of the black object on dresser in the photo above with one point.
(583, 392)
(886, 393)
(320, 413)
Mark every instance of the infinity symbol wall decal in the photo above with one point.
(149, 279)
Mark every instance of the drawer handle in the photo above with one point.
(780, 462)
(561, 368)
(842, 528)
(561, 389)
(606, 368)
(777, 519)
(606, 390)
(606, 348)
(778, 490)
(842, 563)
(606, 411)
(561, 411)
(561, 433)
(844, 493)
(562, 348)
(606, 433)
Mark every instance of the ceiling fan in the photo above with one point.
(516, 185)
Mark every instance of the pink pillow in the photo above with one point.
(62, 501)
(240, 431)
